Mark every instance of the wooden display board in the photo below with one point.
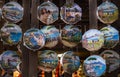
(89, 20)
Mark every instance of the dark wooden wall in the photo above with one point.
(29, 58)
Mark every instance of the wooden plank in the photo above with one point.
(33, 60)
(25, 26)
(93, 17)
(92, 14)
(1, 25)
(34, 20)
(33, 63)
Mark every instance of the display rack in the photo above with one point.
(89, 20)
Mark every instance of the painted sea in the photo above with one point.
(71, 36)
(112, 60)
(9, 60)
(71, 13)
(34, 39)
(52, 35)
(70, 62)
(12, 12)
(107, 12)
(111, 36)
(47, 60)
(92, 40)
(94, 66)
(11, 34)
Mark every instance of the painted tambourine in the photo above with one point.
(19, 67)
(47, 60)
(70, 62)
(34, 39)
(52, 36)
(71, 12)
(112, 60)
(93, 40)
(94, 66)
(107, 12)
(12, 12)
(10, 60)
(111, 36)
(71, 36)
(11, 34)
(47, 12)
